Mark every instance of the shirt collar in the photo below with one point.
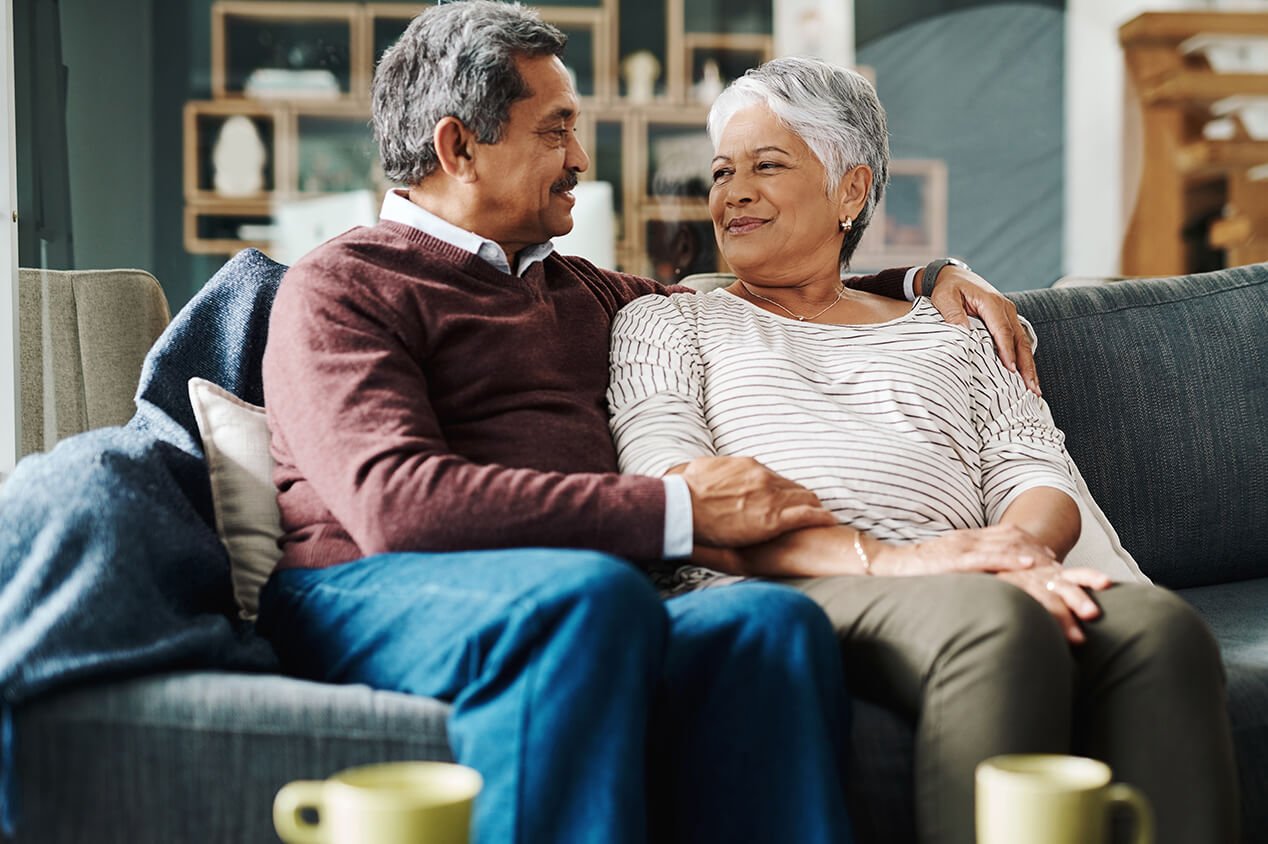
(398, 208)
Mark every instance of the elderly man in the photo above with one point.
(454, 522)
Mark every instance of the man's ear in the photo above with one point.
(455, 148)
(856, 184)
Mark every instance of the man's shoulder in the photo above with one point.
(625, 286)
(675, 307)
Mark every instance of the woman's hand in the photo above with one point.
(1063, 593)
(990, 549)
(960, 292)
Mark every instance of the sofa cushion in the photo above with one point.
(199, 756)
(1161, 387)
(1235, 612)
(235, 436)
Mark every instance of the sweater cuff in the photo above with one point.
(888, 283)
(679, 535)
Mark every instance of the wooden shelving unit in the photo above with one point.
(654, 152)
(1197, 196)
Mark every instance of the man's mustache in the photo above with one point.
(567, 183)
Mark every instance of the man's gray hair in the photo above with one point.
(454, 60)
(833, 109)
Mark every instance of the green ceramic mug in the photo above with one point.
(392, 803)
(1054, 799)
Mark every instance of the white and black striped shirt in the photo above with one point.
(904, 429)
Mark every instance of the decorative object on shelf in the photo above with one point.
(238, 158)
(710, 84)
(1230, 53)
(822, 29)
(305, 223)
(277, 83)
(680, 165)
(593, 234)
(641, 70)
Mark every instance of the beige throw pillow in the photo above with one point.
(235, 439)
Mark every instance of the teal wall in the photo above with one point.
(982, 88)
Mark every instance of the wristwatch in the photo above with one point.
(931, 273)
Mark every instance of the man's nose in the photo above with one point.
(578, 159)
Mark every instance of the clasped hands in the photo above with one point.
(750, 520)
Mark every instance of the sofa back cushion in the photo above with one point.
(84, 336)
(1161, 387)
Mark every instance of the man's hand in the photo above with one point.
(737, 501)
(960, 292)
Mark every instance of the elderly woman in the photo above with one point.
(955, 506)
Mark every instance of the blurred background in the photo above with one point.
(1035, 140)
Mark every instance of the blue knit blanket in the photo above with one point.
(109, 564)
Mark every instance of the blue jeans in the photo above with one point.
(567, 675)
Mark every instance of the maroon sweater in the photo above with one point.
(420, 399)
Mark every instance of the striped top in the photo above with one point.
(904, 429)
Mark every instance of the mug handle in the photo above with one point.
(291, 800)
(1130, 798)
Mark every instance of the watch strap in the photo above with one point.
(931, 273)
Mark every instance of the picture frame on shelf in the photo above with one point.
(911, 222)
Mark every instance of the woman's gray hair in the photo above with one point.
(833, 109)
(454, 60)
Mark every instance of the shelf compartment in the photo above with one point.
(300, 38)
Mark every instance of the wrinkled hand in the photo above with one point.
(1063, 593)
(960, 292)
(998, 548)
(737, 501)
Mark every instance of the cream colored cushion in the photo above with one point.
(1098, 546)
(235, 439)
(83, 337)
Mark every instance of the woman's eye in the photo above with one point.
(768, 165)
(718, 175)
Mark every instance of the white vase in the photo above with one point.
(238, 158)
(641, 70)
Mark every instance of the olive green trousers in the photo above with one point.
(983, 669)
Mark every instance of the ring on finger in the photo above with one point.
(1051, 585)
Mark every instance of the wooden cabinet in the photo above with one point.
(1203, 200)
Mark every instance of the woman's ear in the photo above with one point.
(856, 185)
(455, 149)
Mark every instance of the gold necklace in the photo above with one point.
(797, 316)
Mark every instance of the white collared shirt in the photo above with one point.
(398, 208)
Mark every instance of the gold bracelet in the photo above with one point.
(858, 549)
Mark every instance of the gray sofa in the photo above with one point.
(1162, 389)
